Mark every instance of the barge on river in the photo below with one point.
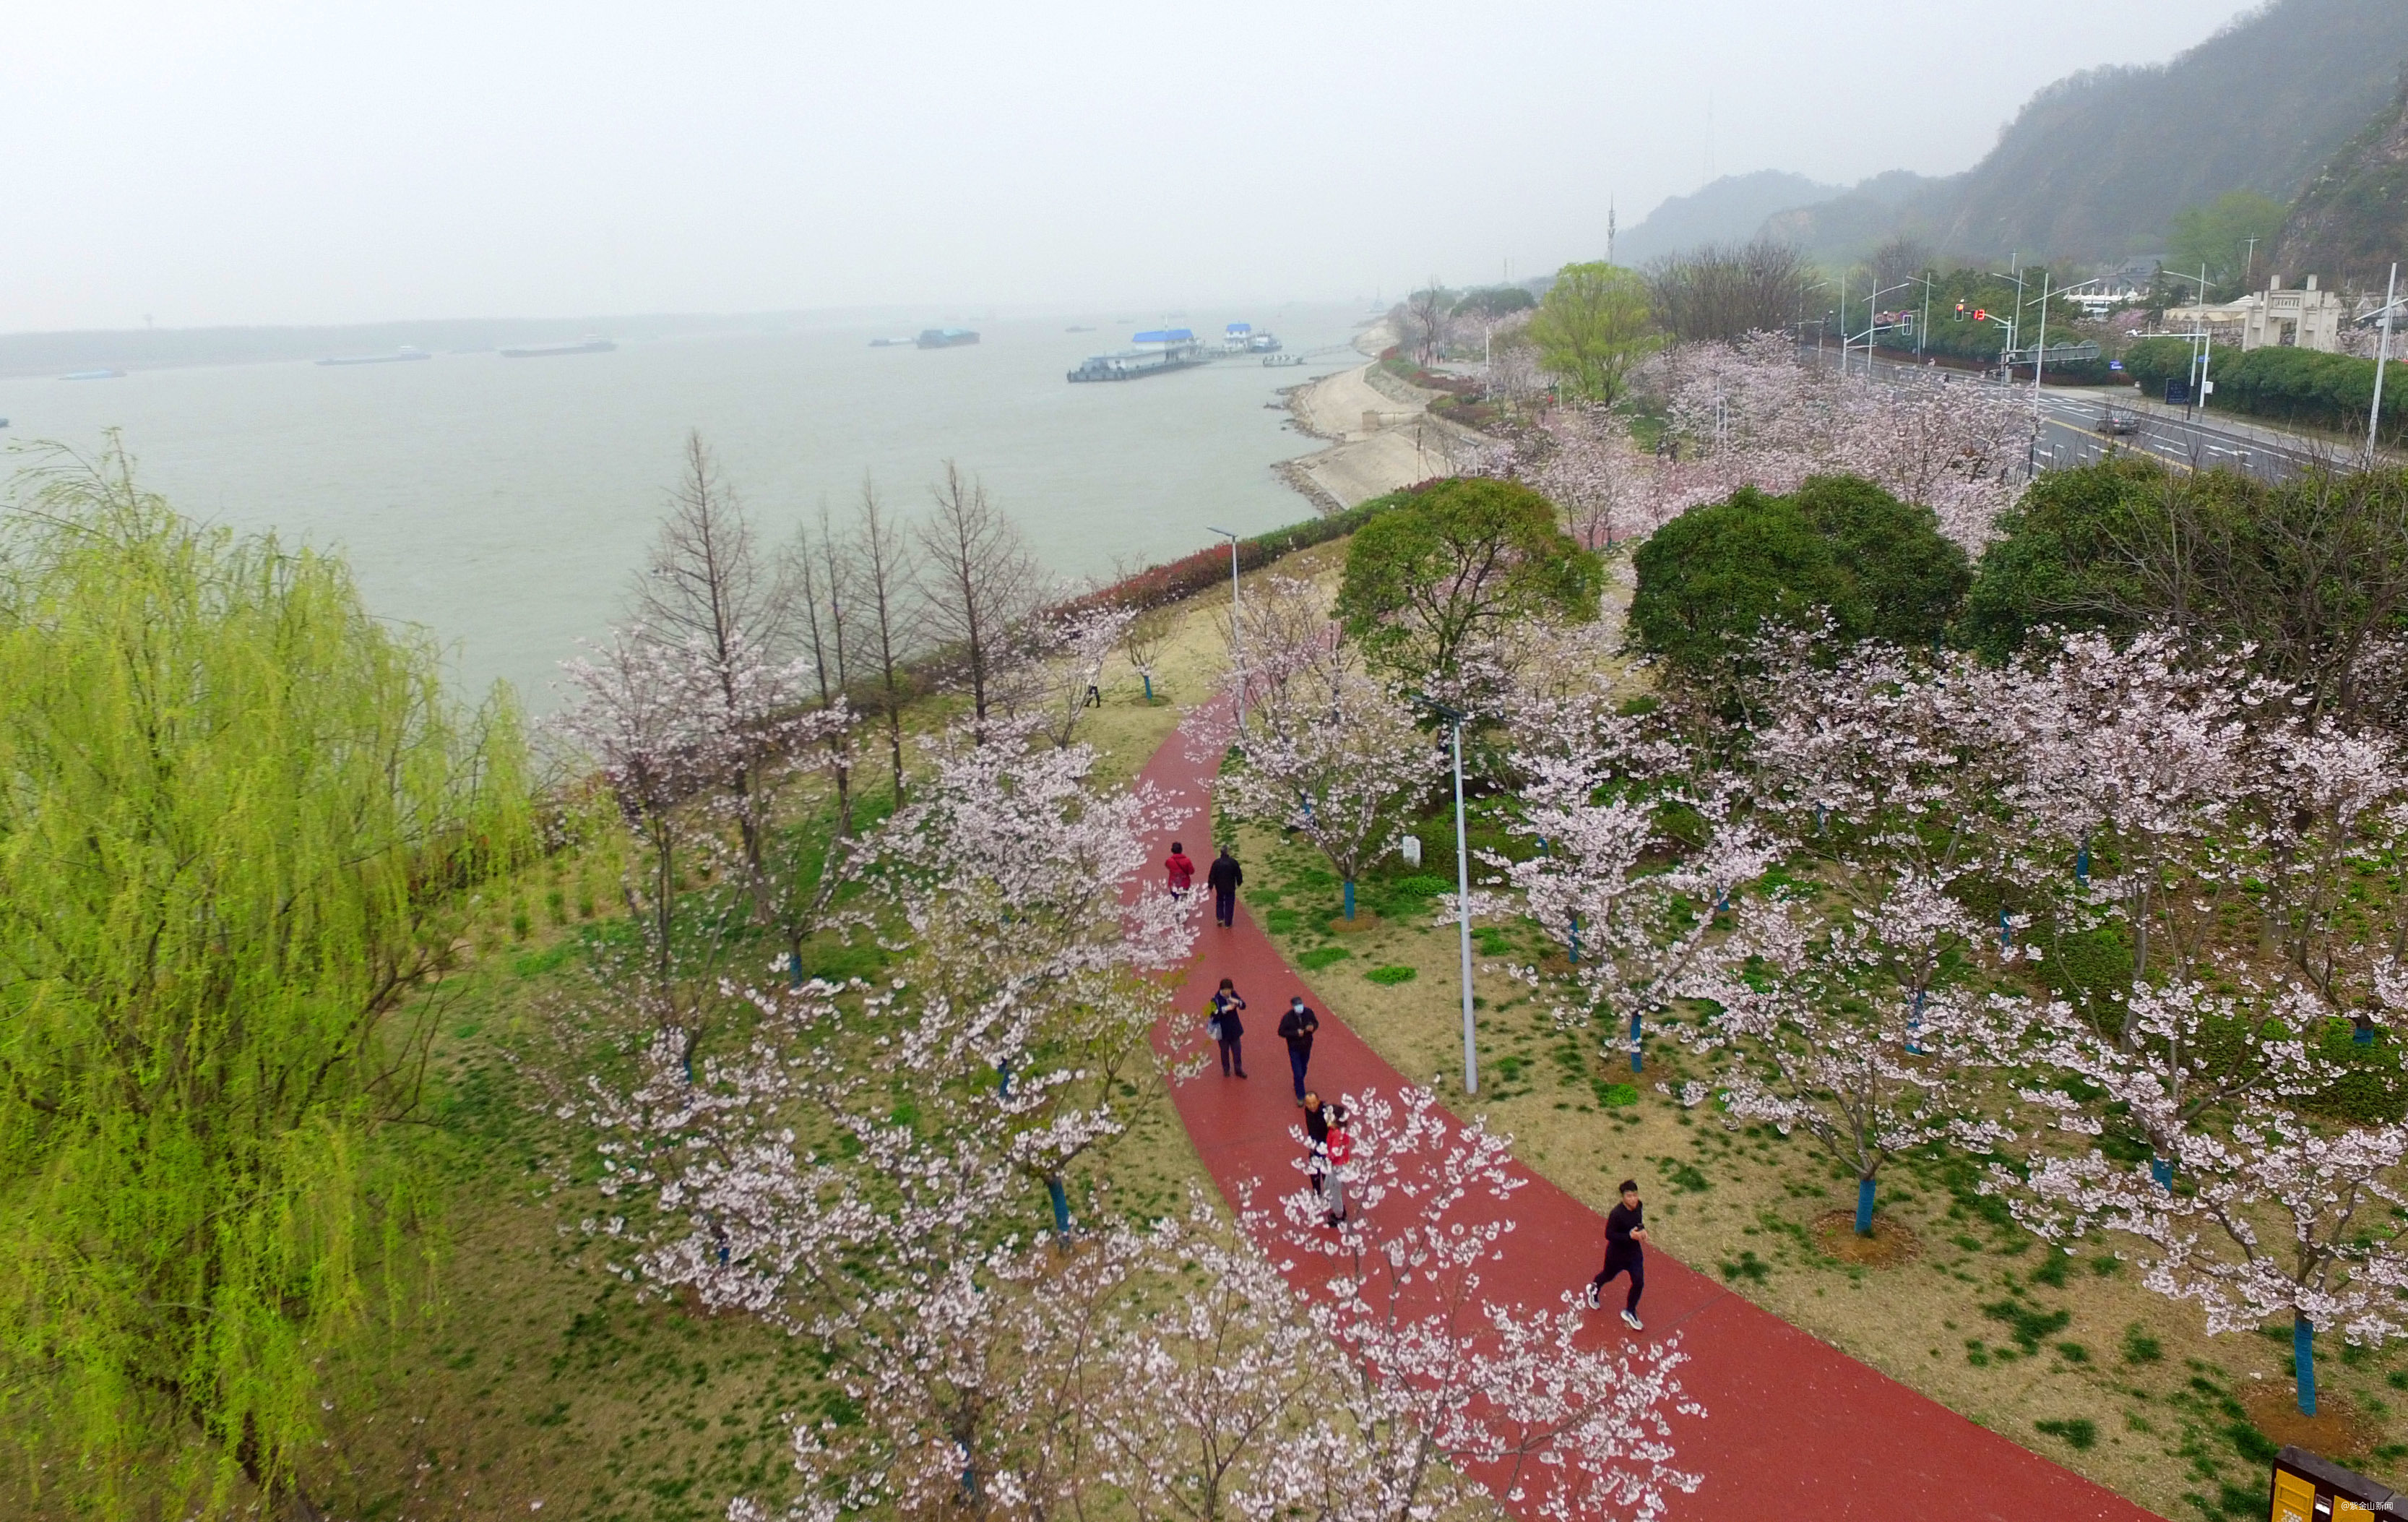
(1157, 353)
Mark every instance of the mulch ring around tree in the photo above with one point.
(2339, 1431)
(1364, 920)
(1892, 1243)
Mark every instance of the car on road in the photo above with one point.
(2116, 422)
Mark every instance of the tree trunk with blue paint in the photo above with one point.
(1634, 1041)
(2304, 1356)
(1149, 685)
(1350, 897)
(1061, 1198)
(1575, 941)
(2163, 1171)
(1864, 1207)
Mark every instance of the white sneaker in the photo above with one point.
(1631, 1320)
(1588, 1297)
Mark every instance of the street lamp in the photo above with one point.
(1236, 650)
(2202, 336)
(2381, 358)
(1455, 717)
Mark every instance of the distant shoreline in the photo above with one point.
(41, 353)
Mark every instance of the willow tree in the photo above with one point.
(238, 826)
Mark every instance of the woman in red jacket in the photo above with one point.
(1181, 871)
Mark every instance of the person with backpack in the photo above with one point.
(1180, 869)
(1228, 1029)
(1331, 1147)
(1295, 1027)
(1224, 879)
(1625, 1231)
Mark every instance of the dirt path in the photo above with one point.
(1794, 1429)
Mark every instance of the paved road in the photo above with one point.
(2070, 436)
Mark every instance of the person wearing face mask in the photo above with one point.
(1295, 1027)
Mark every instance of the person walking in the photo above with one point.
(1625, 1231)
(1180, 870)
(1224, 879)
(1329, 1146)
(1228, 1029)
(1295, 1027)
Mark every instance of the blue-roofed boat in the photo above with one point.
(1159, 351)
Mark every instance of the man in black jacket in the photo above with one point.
(1626, 1229)
(1295, 1027)
(1224, 879)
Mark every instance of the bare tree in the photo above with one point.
(707, 587)
(1426, 311)
(1899, 260)
(981, 586)
(884, 556)
(825, 579)
(1721, 293)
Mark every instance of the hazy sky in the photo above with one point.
(266, 160)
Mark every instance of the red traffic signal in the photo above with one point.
(1980, 315)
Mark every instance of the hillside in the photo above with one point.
(2096, 166)
(2351, 222)
(1730, 210)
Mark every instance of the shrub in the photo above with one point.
(2079, 1433)
(1390, 976)
(1322, 957)
(1712, 579)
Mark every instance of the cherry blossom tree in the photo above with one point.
(2277, 1217)
(1211, 1388)
(697, 739)
(1325, 749)
(1080, 643)
(1823, 1028)
(1339, 764)
(1751, 413)
(1443, 1383)
(1148, 634)
(2135, 763)
(1631, 902)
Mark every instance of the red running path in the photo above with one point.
(1795, 1429)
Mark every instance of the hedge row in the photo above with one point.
(1207, 569)
(2291, 385)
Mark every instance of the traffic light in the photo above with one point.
(1960, 311)
(1980, 315)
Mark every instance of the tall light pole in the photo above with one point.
(1454, 716)
(2040, 363)
(1236, 649)
(2381, 358)
(2203, 340)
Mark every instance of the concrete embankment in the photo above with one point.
(1380, 433)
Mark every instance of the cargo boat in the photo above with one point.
(1158, 352)
(401, 355)
(946, 337)
(546, 350)
(93, 375)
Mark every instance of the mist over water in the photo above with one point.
(506, 504)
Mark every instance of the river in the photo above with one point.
(506, 504)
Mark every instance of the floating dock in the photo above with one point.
(1157, 353)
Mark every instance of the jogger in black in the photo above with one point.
(1223, 878)
(1626, 1229)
